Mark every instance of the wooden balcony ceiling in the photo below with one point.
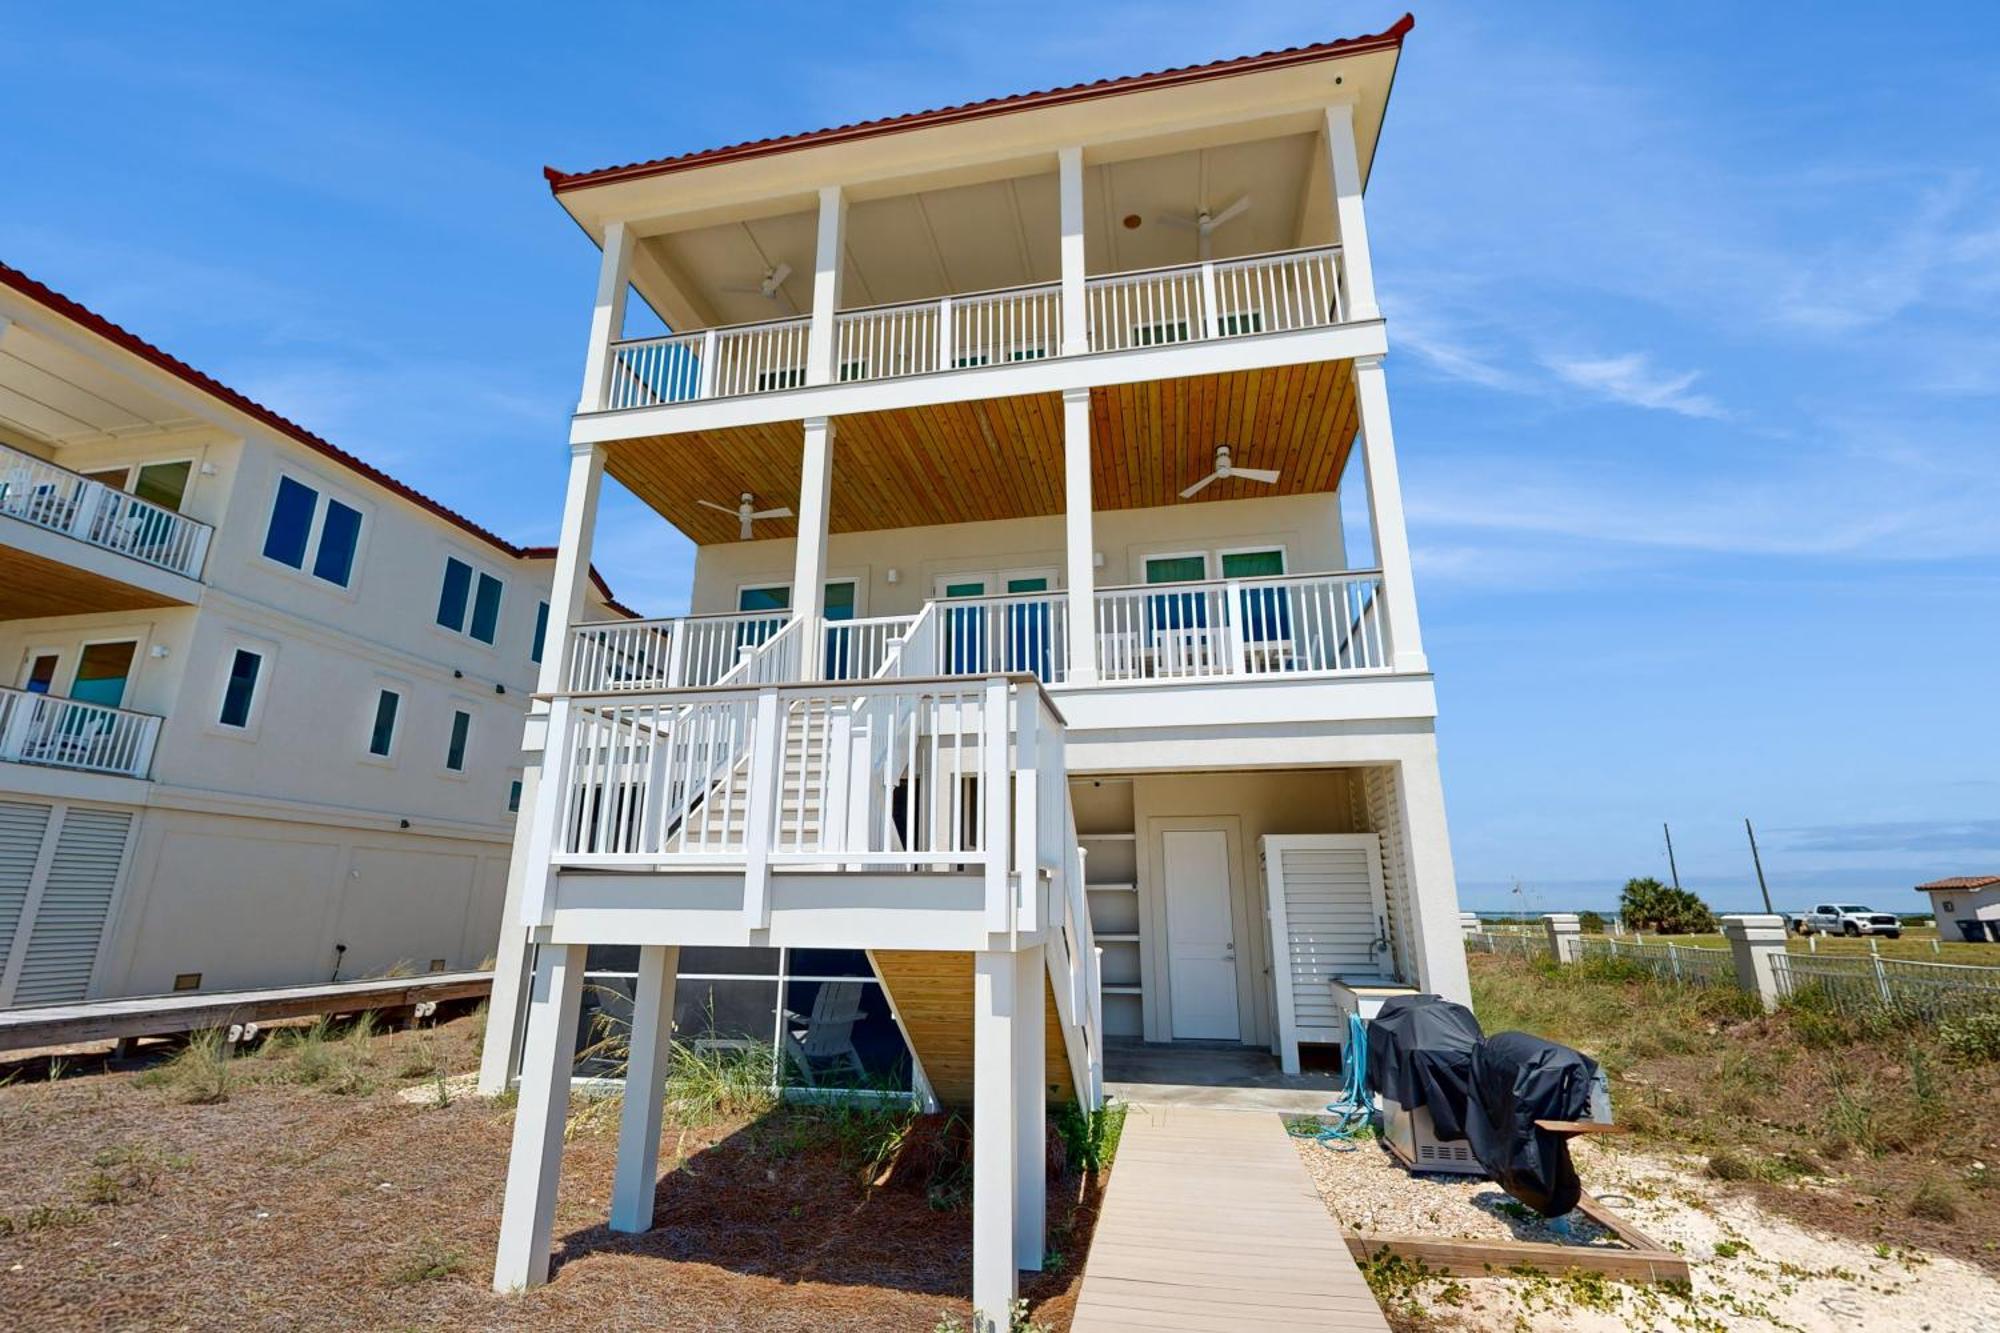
(32, 586)
(1001, 458)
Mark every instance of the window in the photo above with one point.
(291, 532)
(163, 484)
(461, 730)
(456, 592)
(775, 598)
(541, 631)
(457, 596)
(339, 534)
(514, 797)
(1176, 568)
(241, 689)
(102, 671)
(41, 674)
(291, 523)
(382, 736)
(1252, 564)
(486, 609)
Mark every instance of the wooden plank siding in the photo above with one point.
(932, 994)
(1002, 458)
(32, 587)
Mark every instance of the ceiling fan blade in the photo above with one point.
(778, 275)
(1265, 475)
(1176, 220)
(779, 512)
(1235, 210)
(721, 509)
(1199, 486)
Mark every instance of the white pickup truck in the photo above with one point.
(1848, 919)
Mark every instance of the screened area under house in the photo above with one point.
(814, 1018)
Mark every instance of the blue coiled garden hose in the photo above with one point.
(1356, 1108)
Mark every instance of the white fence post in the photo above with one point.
(1468, 923)
(1754, 939)
(1565, 936)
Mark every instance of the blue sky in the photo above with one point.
(1696, 371)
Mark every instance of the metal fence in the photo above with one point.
(1681, 964)
(1852, 984)
(1856, 985)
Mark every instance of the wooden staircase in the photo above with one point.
(932, 995)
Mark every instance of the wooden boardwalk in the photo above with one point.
(1210, 1222)
(196, 1011)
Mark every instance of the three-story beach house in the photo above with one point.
(260, 722)
(1031, 702)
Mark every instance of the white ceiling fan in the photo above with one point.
(1223, 471)
(769, 286)
(746, 512)
(1205, 224)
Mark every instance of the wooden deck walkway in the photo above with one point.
(197, 1011)
(1210, 1222)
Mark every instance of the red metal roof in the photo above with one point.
(1389, 39)
(1961, 882)
(86, 318)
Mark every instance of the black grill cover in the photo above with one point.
(1516, 1080)
(1420, 1054)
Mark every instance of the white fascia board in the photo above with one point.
(62, 549)
(1097, 369)
(1226, 704)
(828, 910)
(46, 782)
(1194, 750)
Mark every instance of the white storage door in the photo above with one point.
(1328, 919)
(68, 924)
(21, 830)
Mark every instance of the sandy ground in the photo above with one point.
(1752, 1270)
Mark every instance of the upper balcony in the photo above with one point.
(1205, 301)
(71, 544)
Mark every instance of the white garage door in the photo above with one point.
(67, 923)
(21, 830)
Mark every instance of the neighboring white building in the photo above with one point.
(1004, 684)
(1967, 907)
(237, 745)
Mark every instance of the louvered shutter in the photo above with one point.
(21, 831)
(69, 922)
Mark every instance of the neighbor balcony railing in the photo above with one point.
(68, 733)
(1230, 298)
(37, 491)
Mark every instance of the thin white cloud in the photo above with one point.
(1631, 379)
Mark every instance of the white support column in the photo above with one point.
(809, 551)
(1439, 948)
(1031, 1110)
(1069, 193)
(1354, 260)
(636, 1179)
(1079, 537)
(566, 602)
(528, 1215)
(1385, 516)
(821, 346)
(994, 1147)
(607, 318)
(572, 574)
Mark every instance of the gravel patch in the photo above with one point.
(1369, 1192)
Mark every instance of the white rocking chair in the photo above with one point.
(827, 1037)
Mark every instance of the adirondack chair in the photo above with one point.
(827, 1035)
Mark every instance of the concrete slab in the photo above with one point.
(1221, 1078)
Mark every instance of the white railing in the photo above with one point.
(1275, 293)
(67, 733)
(690, 652)
(1023, 634)
(1681, 964)
(1857, 984)
(1232, 298)
(888, 774)
(1075, 969)
(1296, 624)
(36, 491)
(861, 649)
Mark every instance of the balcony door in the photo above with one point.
(772, 603)
(1012, 636)
(102, 672)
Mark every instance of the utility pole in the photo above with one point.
(1758, 861)
(1672, 869)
